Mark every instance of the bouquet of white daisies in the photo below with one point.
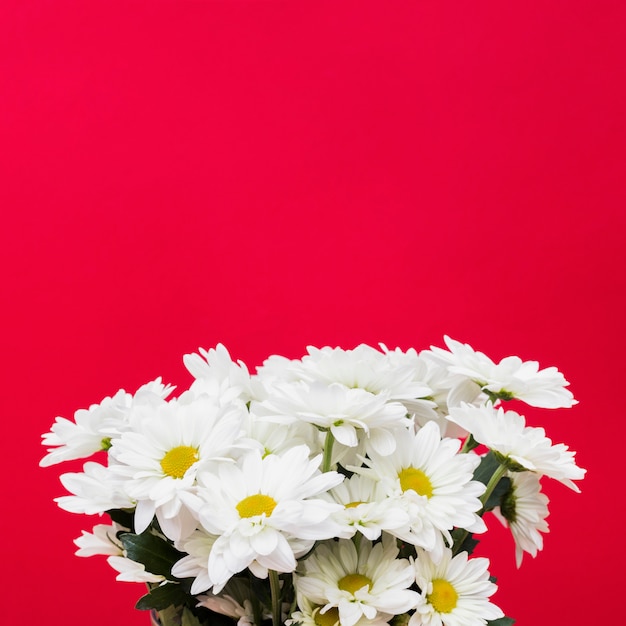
(345, 488)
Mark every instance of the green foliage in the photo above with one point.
(189, 619)
(162, 597)
(156, 553)
(123, 517)
(468, 542)
(400, 620)
(500, 491)
(502, 621)
(488, 466)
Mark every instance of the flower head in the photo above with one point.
(524, 510)
(522, 447)
(367, 509)
(453, 592)
(510, 378)
(368, 582)
(264, 512)
(349, 414)
(433, 483)
(160, 457)
(93, 428)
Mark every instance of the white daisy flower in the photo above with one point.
(195, 565)
(93, 428)
(94, 490)
(225, 604)
(365, 368)
(131, 571)
(454, 591)
(347, 413)
(235, 601)
(277, 440)
(446, 390)
(103, 541)
(424, 405)
(311, 615)
(522, 447)
(370, 582)
(366, 508)
(217, 376)
(161, 456)
(510, 378)
(279, 369)
(524, 510)
(265, 512)
(433, 483)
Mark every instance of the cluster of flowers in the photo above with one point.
(344, 488)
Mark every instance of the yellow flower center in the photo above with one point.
(416, 479)
(443, 597)
(354, 582)
(178, 460)
(258, 504)
(352, 505)
(330, 618)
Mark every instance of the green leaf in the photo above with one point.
(400, 620)
(502, 621)
(169, 616)
(470, 443)
(157, 554)
(469, 543)
(160, 598)
(123, 517)
(488, 465)
(189, 619)
(501, 489)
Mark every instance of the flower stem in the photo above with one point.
(275, 589)
(328, 451)
(492, 484)
(256, 606)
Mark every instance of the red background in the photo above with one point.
(277, 174)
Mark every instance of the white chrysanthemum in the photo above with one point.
(278, 439)
(366, 368)
(310, 614)
(217, 376)
(524, 510)
(366, 508)
(454, 591)
(195, 565)
(370, 582)
(95, 490)
(434, 484)
(527, 448)
(347, 413)
(279, 369)
(93, 428)
(161, 456)
(510, 378)
(131, 571)
(103, 541)
(225, 604)
(235, 602)
(446, 389)
(265, 512)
